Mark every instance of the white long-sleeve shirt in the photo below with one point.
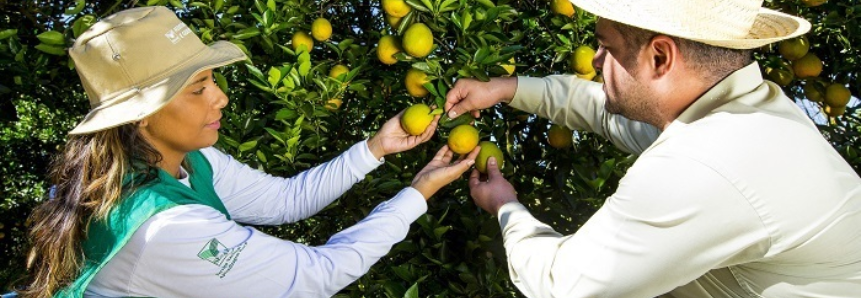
(194, 251)
(740, 197)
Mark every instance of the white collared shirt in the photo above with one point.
(741, 196)
(194, 251)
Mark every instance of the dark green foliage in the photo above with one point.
(277, 122)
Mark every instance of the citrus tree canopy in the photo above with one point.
(323, 75)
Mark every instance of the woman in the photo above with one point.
(144, 207)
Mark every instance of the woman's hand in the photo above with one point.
(392, 138)
(440, 171)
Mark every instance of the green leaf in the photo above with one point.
(438, 232)
(8, 33)
(437, 111)
(247, 146)
(274, 76)
(221, 81)
(486, 3)
(304, 68)
(415, 4)
(255, 71)
(413, 291)
(52, 38)
(51, 49)
(271, 5)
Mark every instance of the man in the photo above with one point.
(735, 192)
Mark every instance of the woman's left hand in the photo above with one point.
(392, 138)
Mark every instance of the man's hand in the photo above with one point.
(440, 171)
(492, 193)
(392, 138)
(470, 95)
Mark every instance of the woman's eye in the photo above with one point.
(199, 92)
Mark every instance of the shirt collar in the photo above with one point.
(737, 84)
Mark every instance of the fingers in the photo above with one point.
(430, 130)
(493, 169)
(474, 178)
(442, 153)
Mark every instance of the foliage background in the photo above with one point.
(277, 122)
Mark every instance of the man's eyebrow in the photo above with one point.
(203, 79)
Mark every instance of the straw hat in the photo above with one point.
(734, 24)
(134, 62)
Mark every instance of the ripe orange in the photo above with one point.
(387, 47)
(463, 138)
(333, 104)
(414, 80)
(418, 40)
(396, 8)
(416, 119)
(338, 70)
(563, 7)
(808, 66)
(581, 59)
(321, 29)
(302, 42)
(509, 68)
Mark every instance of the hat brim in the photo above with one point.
(769, 26)
(150, 97)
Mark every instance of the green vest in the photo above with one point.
(106, 237)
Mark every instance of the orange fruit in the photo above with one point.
(837, 95)
(814, 91)
(509, 68)
(807, 66)
(321, 29)
(338, 70)
(396, 8)
(834, 112)
(463, 138)
(393, 21)
(581, 59)
(813, 3)
(387, 47)
(418, 40)
(488, 149)
(302, 41)
(586, 76)
(563, 7)
(781, 77)
(416, 119)
(794, 48)
(333, 104)
(414, 80)
(559, 136)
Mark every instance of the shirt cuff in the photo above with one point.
(409, 202)
(362, 160)
(528, 88)
(511, 213)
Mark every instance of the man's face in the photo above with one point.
(624, 75)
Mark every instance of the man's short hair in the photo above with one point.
(713, 63)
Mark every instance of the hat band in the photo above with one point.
(122, 97)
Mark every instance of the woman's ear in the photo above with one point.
(143, 123)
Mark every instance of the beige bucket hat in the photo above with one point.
(734, 24)
(134, 62)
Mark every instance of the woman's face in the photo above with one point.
(190, 121)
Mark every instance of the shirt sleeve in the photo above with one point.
(193, 251)
(255, 197)
(579, 104)
(670, 221)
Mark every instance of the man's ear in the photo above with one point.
(663, 54)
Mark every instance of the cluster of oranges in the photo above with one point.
(802, 64)
(321, 30)
(461, 140)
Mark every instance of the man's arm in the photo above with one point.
(579, 104)
(671, 221)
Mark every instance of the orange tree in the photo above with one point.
(310, 91)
